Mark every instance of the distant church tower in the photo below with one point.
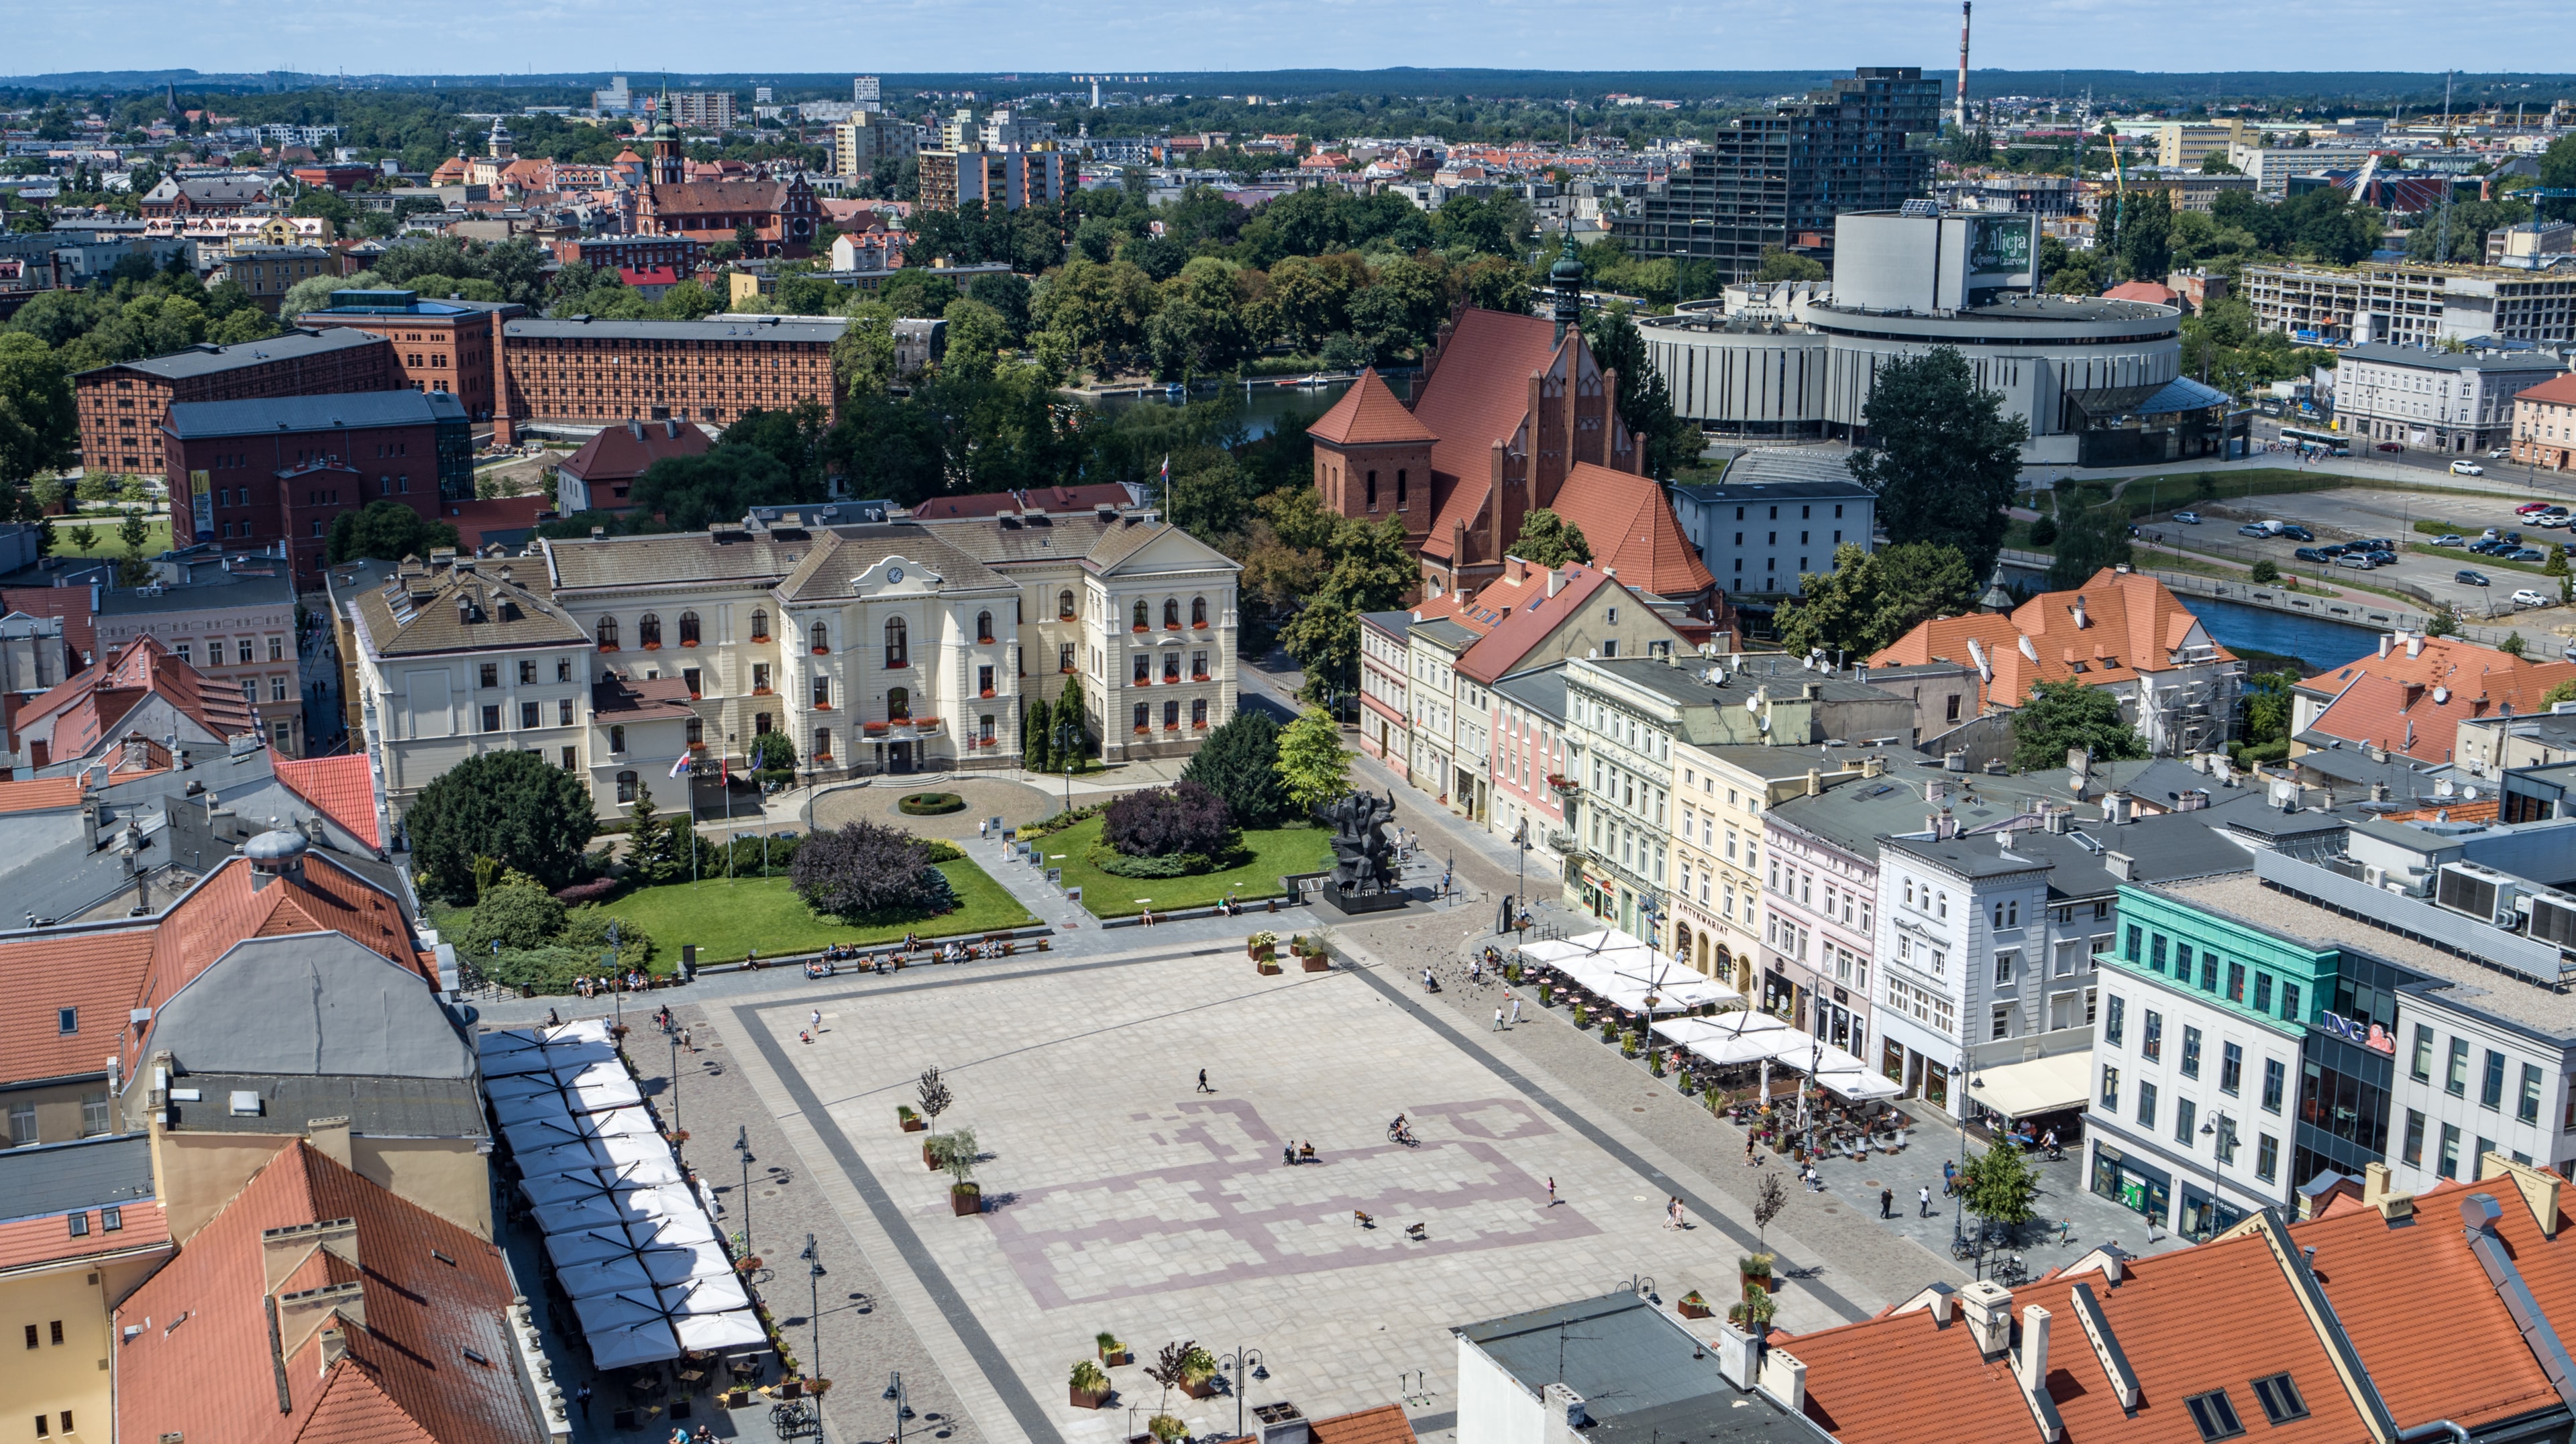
(498, 144)
(1567, 275)
(669, 167)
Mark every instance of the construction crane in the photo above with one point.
(2119, 185)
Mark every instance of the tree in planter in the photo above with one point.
(1171, 1370)
(1770, 1196)
(934, 1095)
(1088, 1380)
(1167, 1429)
(956, 1151)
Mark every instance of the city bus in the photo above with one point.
(2326, 441)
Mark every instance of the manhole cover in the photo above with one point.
(1641, 1198)
(769, 1193)
(1636, 1110)
(1829, 1208)
(1871, 1183)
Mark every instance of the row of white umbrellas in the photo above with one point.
(631, 1243)
(1627, 971)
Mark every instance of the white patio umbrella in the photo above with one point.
(645, 1269)
(588, 1245)
(706, 1333)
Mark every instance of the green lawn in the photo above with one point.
(103, 541)
(2481, 562)
(1275, 851)
(726, 919)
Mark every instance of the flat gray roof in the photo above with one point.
(822, 329)
(60, 1177)
(207, 360)
(2453, 360)
(270, 414)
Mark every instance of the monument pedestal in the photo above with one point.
(1354, 904)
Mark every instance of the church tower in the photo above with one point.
(498, 145)
(1567, 277)
(669, 167)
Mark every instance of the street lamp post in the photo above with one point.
(742, 1149)
(2219, 1131)
(1237, 1361)
(895, 1395)
(1068, 745)
(814, 1305)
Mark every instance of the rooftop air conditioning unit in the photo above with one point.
(2479, 892)
(2553, 919)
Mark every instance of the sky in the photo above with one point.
(999, 36)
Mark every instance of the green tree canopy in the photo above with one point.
(722, 484)
(39, 426)
(1872, 599)
(1549, 540)
(513, 806)
(386, 530)
(1240, 763)
(2001, 1186)
(1941, 454)
(2060, 717)
(2088, 539)
(1784, 265)
(1314, 767)
(1645, 403)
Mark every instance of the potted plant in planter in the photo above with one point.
(1166, 1429)
(1753, 1315)
(1609, 1030)
(1753, 1271)
(1693, 1306)
(1090, 1387)
(1112, 1352)
(935, 1099)
(1262, 945)
(1582, 1016)
(957, 1153)
(1315, 961)
(818, 1387)
(1198, 1373)
(907, 1120)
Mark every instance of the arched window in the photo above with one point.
(983, 626)
(822, 639)
(898, 647)
(1064, 606)
(697, 732)
(1198, 611)
(1143, 618)
(616, 739)
(626, 787)
(898, 704)
(1372, 491)
(1171, 612)
(688, 629)
(1143, 717)
(648, 630)
(608, 634)
(760, 624)
(1198, 712)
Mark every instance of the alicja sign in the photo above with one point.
(2367, 1035)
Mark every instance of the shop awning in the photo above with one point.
(2041, 1085)
(1624, 970)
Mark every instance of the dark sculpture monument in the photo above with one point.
(1363, 878)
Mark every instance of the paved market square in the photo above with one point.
(1121, 1198)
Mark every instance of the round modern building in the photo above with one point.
(2098, 380)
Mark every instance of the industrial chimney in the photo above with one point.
(1965, 6)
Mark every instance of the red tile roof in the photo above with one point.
(72, 604)
(203, 1365)
(41, 795)
(2131, 624)
(2559, 390)
(86, 710)
(1476, 395)
(1384, 1424)
(141, 1224)
(1632, 531)
(340, 788)
(473, 519)
(2390, 701)
(1050, 499)
(1530, 622)
(2150, 291)
(98, 973)
(1369, 414)
(622, 452)
(226, 908)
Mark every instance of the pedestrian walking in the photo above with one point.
(1551, 1191)
(1203, 1082)
(815, 1022)
(1748, 1148)
(984, 829)
(1498, 1020)
(1923, 1202)
(1516, 1012)
(1949, 1178)
(1887, 1203)
(581, 1396)
(688, 1042)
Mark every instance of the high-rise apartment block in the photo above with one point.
(863, 90)
(1780, 179)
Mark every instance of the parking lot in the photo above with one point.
(2354, 514)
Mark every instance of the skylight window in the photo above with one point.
(2280, 1399)
(2214, 1415)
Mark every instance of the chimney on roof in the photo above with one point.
(330, 1138)
(1987, 1306)
(1739, 1356)
(2415, 644)
(1943, 1297)
(2375, 1193)
(635, 428)
(2080, 622)
(1815, 782)
(2385, 640)
(1555, 581)
(2033, 1367)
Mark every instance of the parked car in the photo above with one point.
(2529, 508)
(2378, 544)
(2312, 554)
(2469, 578)
(2499, 454)
(2382, 557)
(2447, 539)
(2187, 518)
(2296, 533)
(2355, 561)
(2490, 534)
(2467, 468)
(2526, 597)
(2526, 554)
(2253, 528)
(2389, 446)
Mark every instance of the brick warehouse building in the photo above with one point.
(452, 346)
(123, 406)
(713, 370)
(284, 468)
